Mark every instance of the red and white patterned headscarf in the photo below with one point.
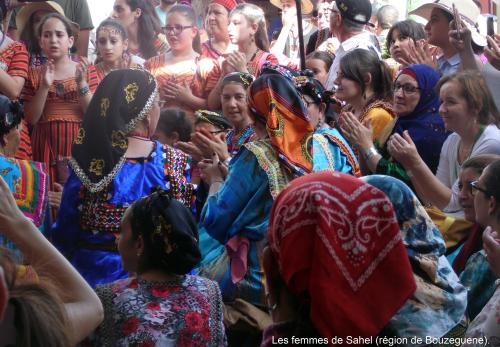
(338, 245)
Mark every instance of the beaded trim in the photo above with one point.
(345, 150)
(320, 139)
(98, 186)
(269, 162)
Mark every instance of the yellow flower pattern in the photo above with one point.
(104, 107)
(119, 139)
(131, 92)
(96, 166)
(80, 136)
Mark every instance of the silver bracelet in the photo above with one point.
(370, 153)
(84, 91)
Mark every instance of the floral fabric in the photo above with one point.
(183, 312)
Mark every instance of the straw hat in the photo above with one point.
(306, 5)
(24, 15)
(469, 13)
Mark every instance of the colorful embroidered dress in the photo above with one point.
(201, 75)
(184, 312)
(14, 60)
(160, 44)
(62, 116)
(333, 152)
(28, 181)
(235, 141)
(88, 223)
(258, 60)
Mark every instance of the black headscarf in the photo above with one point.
(169, 233)
(243, 78)
(213, 118)
(11, 113)
(122, 100)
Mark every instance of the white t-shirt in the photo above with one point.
(449, 169)
(362, 40)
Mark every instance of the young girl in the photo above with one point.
(184, 78)
(112, 44)
(143, 27)
(319, 63)
(56, 95)
(247, 29)
(365, 85)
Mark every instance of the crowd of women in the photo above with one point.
(194, 187)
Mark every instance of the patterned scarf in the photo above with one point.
(337, 242)
(122, 100)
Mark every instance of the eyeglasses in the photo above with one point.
(407, 88)
(176, 29)
(475, 187)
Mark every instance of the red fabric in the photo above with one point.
(409, 72)
(338, 244)
(228, 4)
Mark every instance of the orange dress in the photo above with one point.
(62, 115)
(258, 60)
(14, 60)
(201, 75)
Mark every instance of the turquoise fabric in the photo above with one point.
(332, 151)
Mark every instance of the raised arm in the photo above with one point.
(83, 307)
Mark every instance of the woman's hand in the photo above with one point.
(403, 150)
(81, 72)
(48, 73)
(212, 170)
(237, 61)
(460, 36)
(492, 248)
(421, 52)
(55, 196)
(493, 52)
(208, 144)
(356, 133)
(180, 93)
(191, 149)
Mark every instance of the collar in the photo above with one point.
(354, 41)
(453, 60)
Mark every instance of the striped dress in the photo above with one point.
(201, 75)
(14, 59)
(62, 115)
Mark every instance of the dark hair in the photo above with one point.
(115, 25)
(324, 56)
(149, 27)
(255, 15)
(175, 120)
(39, 315)
(188, 12)
(169, 234)
(408, 28)
(476, 93)
(11, 113)
(356, 64)
(68, 25)
(492, 182)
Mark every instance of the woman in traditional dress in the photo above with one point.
(161, 305)
(114, 162)
(26, 179)
(112, 44)
(56, 96)
(184, 77)
(233, 223)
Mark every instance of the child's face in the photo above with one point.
(318, 67)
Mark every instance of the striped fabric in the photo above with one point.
(15, 57)
(201, 75)
(58, 126)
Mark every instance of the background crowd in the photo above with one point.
(179, 180)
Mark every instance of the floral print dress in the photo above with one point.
(183, 312)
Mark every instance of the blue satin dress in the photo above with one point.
(87, 224)
(333, 152)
